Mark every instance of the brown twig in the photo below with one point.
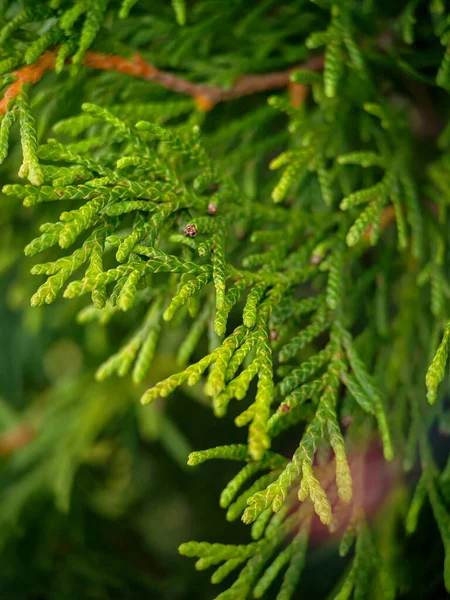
(16, 439)
(206, 96)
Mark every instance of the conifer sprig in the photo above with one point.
(294, 294)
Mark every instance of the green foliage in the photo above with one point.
(313, 297)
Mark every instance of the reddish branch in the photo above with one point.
(16, 439)
(206, 96)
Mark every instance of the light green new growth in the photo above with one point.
(436, 371)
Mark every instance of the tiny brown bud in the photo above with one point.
(315, 259)
(212, 209)
(284, 408)
(190, 230)
(274, 335)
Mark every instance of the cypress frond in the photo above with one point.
(254, 198)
